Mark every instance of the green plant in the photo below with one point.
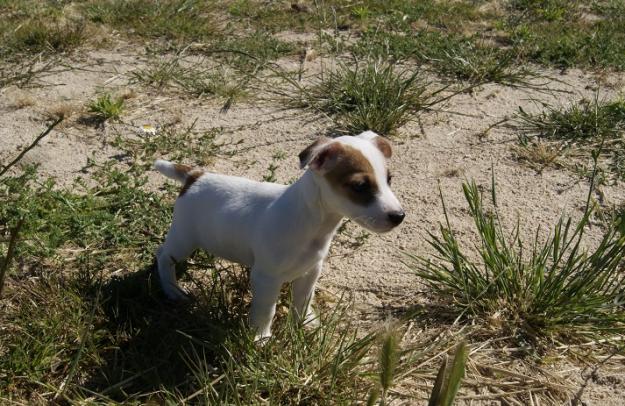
(220, 82)
(180, 20)
(106, 108)
(553, 287)
(449, 377)
(368, 96)
(581, 127)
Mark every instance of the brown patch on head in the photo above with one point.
(384, 146)
(308, 153)
(192, 176)
(352, 175)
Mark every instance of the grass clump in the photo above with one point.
(106, 107)
(579, 129)
(532, 290)
(371, 96)
(175, 73)
(585, 121)
(250, 52)
(179, 20)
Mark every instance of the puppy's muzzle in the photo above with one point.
(396, 217)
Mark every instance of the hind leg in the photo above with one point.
(174, 250)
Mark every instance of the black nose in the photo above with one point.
(396, 217)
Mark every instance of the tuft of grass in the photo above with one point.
(532, 290)
(538, 155)
(221, 82)
(178, 20)
(580, 127)
(106, 108)
(368, 96)
(585, 121)
(250, 52)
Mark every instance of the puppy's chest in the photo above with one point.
(295, 258)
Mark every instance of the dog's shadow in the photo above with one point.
(156, 345)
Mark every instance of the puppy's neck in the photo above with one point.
(316, 215)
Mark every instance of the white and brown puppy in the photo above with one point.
(282, 232)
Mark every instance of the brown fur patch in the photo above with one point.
(192, 176)
(182, 169)
(306, 155)
(384, 146)
(353, 176)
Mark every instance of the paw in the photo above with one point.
(311, 321)
(176, 295)
(262, 339)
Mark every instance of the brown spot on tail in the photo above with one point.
(192, 176)
(182, 169)
(353, 176)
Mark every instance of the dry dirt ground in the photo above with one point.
(440, 151)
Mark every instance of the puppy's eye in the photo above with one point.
(388, 178)
(361, 186)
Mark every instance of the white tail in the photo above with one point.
(171, 170)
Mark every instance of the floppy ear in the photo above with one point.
(384, 146)
(380, 142)
(307, 155)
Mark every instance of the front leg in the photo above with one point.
(265, 292)
(303, 292)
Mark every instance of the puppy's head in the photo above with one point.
(354, 180)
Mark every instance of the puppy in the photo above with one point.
(282, 232)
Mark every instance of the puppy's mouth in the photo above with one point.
(378, 227)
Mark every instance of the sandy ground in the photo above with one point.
(444, 151)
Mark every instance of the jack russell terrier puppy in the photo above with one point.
(282, 232)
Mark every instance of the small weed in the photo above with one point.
(538, 155)
(550, 289)
(106, 108)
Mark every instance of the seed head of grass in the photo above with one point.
(533, 290)
(370, 96)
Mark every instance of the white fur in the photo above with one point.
(282, 232)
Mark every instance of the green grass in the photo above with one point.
(170, 142)
(105, 107)
(537, 290)
(175, 20)
(250, 52)
(555, 32)
(579, 129)
(30, 27)
(367, 96)
(188, 77)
